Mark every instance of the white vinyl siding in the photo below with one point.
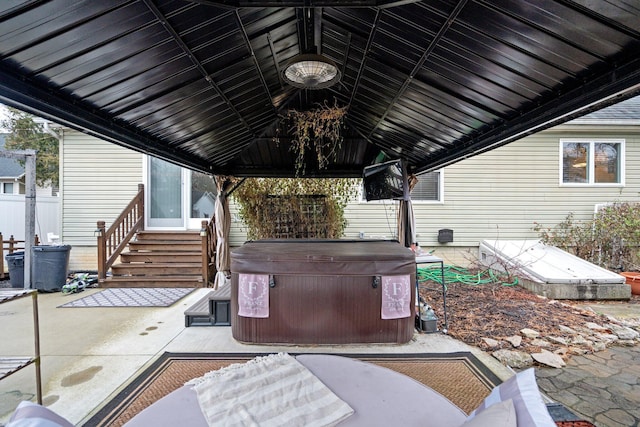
(498, 194)
(99, 180)
(376, 220)
(503, 193)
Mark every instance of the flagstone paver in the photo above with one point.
(603, 387)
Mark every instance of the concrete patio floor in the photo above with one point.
(89, 354)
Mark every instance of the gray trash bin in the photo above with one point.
(49, 265)
(15, 262)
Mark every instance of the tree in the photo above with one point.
(25, 134)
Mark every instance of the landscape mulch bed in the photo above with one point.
(498, 311)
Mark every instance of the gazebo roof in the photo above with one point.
(199, 82)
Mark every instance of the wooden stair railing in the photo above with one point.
(112, 242)
(12, 245)
(209, 243)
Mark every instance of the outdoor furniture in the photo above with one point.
(362, 394)
(379, 397)
(322, 291)
(11, 365)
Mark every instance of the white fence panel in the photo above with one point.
(12, 216)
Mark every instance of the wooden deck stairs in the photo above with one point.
(159, 259)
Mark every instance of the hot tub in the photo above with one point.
(322, 291)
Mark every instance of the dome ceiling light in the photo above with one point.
(311, 71)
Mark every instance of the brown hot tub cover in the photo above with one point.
(322, 291)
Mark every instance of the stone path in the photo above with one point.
(603, 387)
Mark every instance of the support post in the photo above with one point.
(205, 253)
(37, 357)
(102, 251)
(30, 213)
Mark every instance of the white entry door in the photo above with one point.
(165, 195)
(177, 198)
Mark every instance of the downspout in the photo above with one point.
(46, 126)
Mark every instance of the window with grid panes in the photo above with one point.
(592, 162)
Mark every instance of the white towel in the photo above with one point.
(396, 297)
(274, 390)
(253, 295)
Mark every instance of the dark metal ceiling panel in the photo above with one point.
(198, 82)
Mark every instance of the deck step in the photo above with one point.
(159, 259)
(162, 257)
(156, 269)
(163, 245)
(214, 309)
(169, 235)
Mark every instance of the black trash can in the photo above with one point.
(15, 261)
(49, 265)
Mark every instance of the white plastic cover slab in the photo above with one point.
(542, 263)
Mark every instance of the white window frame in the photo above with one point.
(440, 199)
(591, 165)
(361, 198)
(4, 185)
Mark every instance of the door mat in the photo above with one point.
(131, 297)
(460, 377)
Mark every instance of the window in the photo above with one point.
(428, 189)
(7, 187)
(592, 162)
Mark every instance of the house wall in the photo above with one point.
(98, 180)
(19, 188)
(503, 193)
(498, 194)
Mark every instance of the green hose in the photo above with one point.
(455, 274)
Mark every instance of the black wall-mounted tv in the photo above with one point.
(383, 181)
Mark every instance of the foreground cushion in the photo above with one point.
(522, 388)
(501, 414)
(29, 414)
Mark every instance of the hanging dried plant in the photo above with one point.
(318, 131)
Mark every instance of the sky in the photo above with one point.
(4, 114)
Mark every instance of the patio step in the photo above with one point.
(211, 310)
